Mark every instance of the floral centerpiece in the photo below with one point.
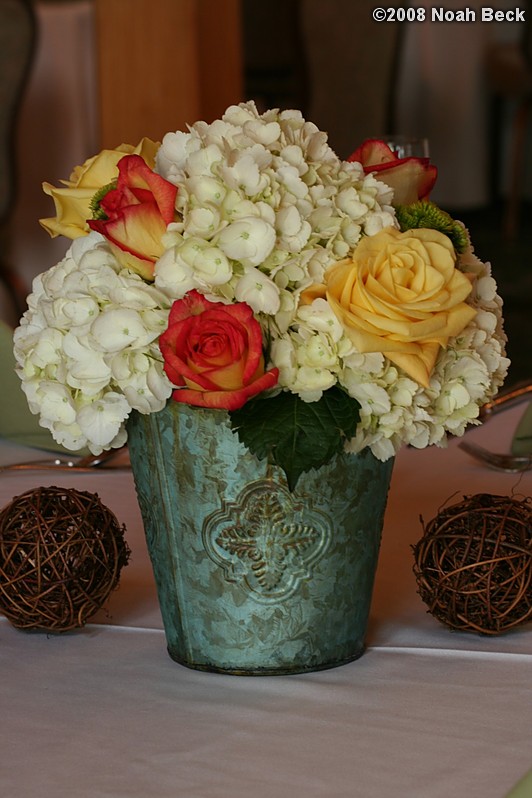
(241, 265)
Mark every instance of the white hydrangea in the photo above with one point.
(309, 358)
(258, 291)
(263, 208)
(87, 347)
(268, 192)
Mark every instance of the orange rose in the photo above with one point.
(215, 352)
(400, 295)
(412, 179)
(73, 202)
(137, 213)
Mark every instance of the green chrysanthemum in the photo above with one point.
(95, 206)
(427, 214)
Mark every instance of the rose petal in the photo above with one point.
(412, 179)
(227, 400)
(133, 172)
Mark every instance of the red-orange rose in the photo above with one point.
(412, 179)
(214, 351)
(138, 211)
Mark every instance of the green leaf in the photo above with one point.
(427, 214)
(296, 435)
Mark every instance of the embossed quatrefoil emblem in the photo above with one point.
(266, 540)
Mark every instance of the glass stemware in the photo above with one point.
(408, 146)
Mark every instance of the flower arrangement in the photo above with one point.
(243, 266)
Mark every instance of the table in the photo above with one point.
(425, 713)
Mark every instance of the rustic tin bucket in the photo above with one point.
(253, 579)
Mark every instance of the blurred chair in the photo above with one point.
(509, 71)
(352, 68)
(275, 77)
(17, 41)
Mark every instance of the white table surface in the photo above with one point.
(425, 713)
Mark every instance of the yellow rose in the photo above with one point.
(401, 295)
(72, 203)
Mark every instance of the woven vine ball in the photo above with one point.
(473, 565)
(61, 553)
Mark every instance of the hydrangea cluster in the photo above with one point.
(87, 348)
(263, 208)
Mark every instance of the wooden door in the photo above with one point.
(163, 64)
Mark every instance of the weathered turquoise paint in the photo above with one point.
(252, 579)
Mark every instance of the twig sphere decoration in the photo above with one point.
(473, 565)
(61, 553)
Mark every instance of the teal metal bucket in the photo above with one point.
(251, 578)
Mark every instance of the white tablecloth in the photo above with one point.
(425, 713)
